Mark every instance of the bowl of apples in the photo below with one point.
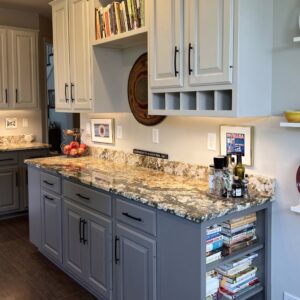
(74, 149)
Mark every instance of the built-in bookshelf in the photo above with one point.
(119, 24)
(208, 103)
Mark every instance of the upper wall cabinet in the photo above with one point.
(210, 58)
(72, 64)
(18, 69)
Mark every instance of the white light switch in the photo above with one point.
(155, 136)
(25, 123)
(212, 142)
(119, 132)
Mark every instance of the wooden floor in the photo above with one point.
(26, 274)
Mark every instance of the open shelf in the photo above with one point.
(124, 40)
(173, 101)
(292, 125)
(234, 256)
(247, 295)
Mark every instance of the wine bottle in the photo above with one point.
(239, 169)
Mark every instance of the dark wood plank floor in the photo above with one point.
(25, 274)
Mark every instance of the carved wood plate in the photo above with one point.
(138, 93)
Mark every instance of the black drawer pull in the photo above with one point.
(189, 59)
(83, 197)
(175, 61)
(80, 230)
(48, 183)
(6, 159)
(132, 217)
(49, 198)
(117, 241)
(84, 222)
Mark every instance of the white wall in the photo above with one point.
(276, 150)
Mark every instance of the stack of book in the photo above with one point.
(238, 278)
(238, 233)
(119, 17)
(212, 285)
(214, 243)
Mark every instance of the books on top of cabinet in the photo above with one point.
(119, 17)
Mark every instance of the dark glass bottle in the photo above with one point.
(239, 169)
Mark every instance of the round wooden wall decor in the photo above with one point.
(138, 92)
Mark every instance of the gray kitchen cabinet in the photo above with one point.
(24, 173)
(135, 261)
(88, 247)
(9, 189)
(51, 225)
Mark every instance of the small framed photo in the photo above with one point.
(237, 139)
(103, 131)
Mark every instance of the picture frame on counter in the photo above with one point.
(237, 139)
(103, 131)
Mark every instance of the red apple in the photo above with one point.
(67, 149)
(83, 146)
(73, 152)
(74, 145)
(81, 151)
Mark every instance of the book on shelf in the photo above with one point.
(118, 17)
(212, 256)
(212, 284)
(216, 229)
(241, 236)
(214, 245)
(234, 223)
(231, 296)
(239, 246)
(228, 231)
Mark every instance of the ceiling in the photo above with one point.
(37, 6)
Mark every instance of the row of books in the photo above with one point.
(119, 17)
(232, 280)
(230, 236)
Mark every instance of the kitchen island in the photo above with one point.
(129, 232)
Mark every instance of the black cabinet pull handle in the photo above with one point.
(175, 61)
(48, 198)
(84, 222)
(72, 86)
(82, 197)
(66, 91)
(80, 230)
(48, 183)
(17, 96)
(189, 58)
(132, 217)
(6, 159)
(6, 96)
(117, 241)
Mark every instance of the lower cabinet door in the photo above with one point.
(9, 189)
(135, 261)
(98, 243)
(51, 226)
(74, 249)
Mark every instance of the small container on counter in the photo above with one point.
(245, 184)
(211, 178)
(237, 188)
(219, 163)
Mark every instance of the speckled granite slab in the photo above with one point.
(183, 196)
(18, 143)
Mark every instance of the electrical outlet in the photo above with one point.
(287, 296)
(25, 123)
(212, 142)
(155, 136)
(119, 132)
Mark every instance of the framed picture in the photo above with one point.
(103, 131)
(237, 139)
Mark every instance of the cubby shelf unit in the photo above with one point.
(206, 103)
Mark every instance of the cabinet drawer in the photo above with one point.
(51, 183)
(8, 159)
(88, 197)
(136, 216)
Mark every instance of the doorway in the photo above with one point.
(56, 121)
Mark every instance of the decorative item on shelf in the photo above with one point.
(297, 208)
(292, 116)
(237, 140)
(103, 131)
(138, 93)
(71, 145)
(29, 138)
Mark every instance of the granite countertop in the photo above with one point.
(182, 196)
(6, 147)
